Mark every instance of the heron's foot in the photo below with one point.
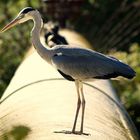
(72, 132)
(79, 133)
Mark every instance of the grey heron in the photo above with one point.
(74, 63)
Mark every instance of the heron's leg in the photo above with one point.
(83, 106)
(78, 105)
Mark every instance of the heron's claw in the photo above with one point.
(79, 133)
(72, 132)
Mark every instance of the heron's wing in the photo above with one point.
(89, 65)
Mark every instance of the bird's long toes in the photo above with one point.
(72, 132)
(80, 133)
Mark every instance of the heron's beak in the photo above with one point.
(10, 25)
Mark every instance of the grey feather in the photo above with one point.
(85, 64)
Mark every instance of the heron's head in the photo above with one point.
(23, 16)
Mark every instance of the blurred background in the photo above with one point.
(111, 26)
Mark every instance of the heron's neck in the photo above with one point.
(43, 51)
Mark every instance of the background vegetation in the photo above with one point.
(113, 27)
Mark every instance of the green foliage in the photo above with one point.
(13, 43)
(129, 91)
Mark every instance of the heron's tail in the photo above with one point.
(126, 71)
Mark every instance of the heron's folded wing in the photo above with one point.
(85, 66)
